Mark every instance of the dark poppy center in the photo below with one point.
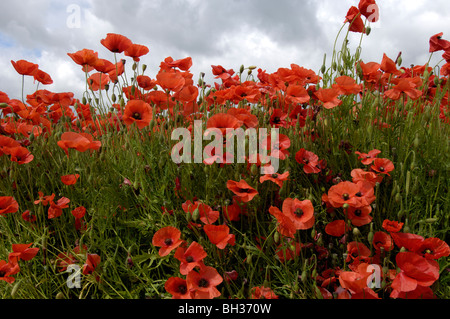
(189, 259)
(345, 196)
(274, 175)
(276, 119)
(357, 212)
(359, 194)
(168, 241)
(203, 283)
(244, 190)
(137, 116)
(298, 212)
(182, 289)
(306, 161)
(381, 168)
(2, 274)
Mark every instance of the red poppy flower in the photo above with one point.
(24, 67)
(244, 191)
(337, 228)
(139, 112)
(45, 200)
(116, 43)
(222, 122)
(421, 292)
(28, 216)
(433, 248)
(357, 250)
(437, 43)
(354, 18)
(381, 239)
(415, 271)
(262, 292)
(355, 281)
(369, 9)
(79, 212)
(392, 226)
(280, 147)
(79, 141)
(206, 214)
(359, 175)
(219, 235)
(145, 82)
(70, 179)
(309, 160)
(244, 115)
(404, 85)
(343, 193)
(368, 158)
(177, 287)
(98, 81)
(360, 215)
(203, 283)
(276, 178)
(136, 51)
(389, 66)
(21, 155)
(329, 97)
(6, 143)
(286, 226)
(382, 165)
(183, 64)
(278, 118)
(22, 252)
(191, 257)
(168, 238)
(55, 209)
(8, 205)
(92, 261)
(297, 94)
(346, 85)
(170, 80)
(42, 77)
(300, 212)
(233, 212)
(86, 58)
(8, 269)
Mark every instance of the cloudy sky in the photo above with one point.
(265, 33)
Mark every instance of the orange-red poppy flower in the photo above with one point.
(24, 67)
(145, 82)
(222, 122)
(136, 51)
(70, 179)
(92, 261)
(79, 212)
(343, 193)
(357, 250)
(206, 214)
(389, 66)
(139, 112)
(354, 18)
(55, 209)
(392, 226)
(177, 287)
(276, 178)
(8, 205)
(382, 166)
(346, 85)
(415, 271)
(355, 281)
(219, 235)
(359, 215)
(382, 239)
(433, 248)
(183, 64)
(29, 216)
(262, 292)
(170, 80)
(116, 43)
(203, 283)
(438, 44)
(98, 81)
(87, 58)
(300, 212)
(361, 175)
(244, 115)
(7, 269)
(309, 160)
(168, 238)
(329, 97)
(42, 77)
(244, 191)
(45, 200)
(368, 158)
(407, 86)
(190, 257)
(369, 9)
(285, 226)
(79, 141)
(22, 252)
(337, 228)
(20, 154)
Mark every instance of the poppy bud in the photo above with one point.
(323, 69)
(430, 220)
(248, 260)
(356, 232)
(345, 206)
(416, 141)
(83, 100)
(241, 69)
(196, 214)
(368, 29)
(408, 182)
(398, 198)
(15, 288)
(276, 237)
(60, 295)
(304, 276)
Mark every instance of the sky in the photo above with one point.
(264, 33)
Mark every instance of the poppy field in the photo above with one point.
(93, 206)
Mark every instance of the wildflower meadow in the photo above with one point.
(296, 184)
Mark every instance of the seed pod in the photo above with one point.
(276, 237)
(195, 214)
